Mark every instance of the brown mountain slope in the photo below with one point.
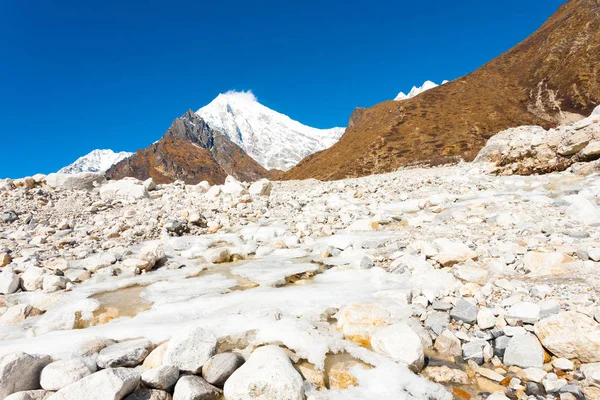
(190, 151)
(552, 76)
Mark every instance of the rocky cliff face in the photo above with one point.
(193, 152)
(550, 78)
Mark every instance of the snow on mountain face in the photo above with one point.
(274, 140)
(417, 90)
(95, 161)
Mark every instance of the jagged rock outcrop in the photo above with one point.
(190, 151)
(550, 78)
(532, 149)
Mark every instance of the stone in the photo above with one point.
(536, 375)
(497, 396)
(529, 313)
(33, 278)
(479, 351)
(20, 372)
(400, 343)
(233, 187)
(524, 351)
(535, 389)
(217, 255)
(52, 283)
(441, 306)
(438, 322)
(190, 387)
(9, 281)
(30, 395)
(81, 181)
(5, 259)
(220, 367)
(130, 353)
(465, 311)
(444, 374)
(563, 364)
(261, 187)
(162, 377)
(155, 358)
(359, 321)
(448, 344)
(450, 253)
(542, 264)
(190, 348)
(149, 394)
(60, 374)
(9, 216)
(269, 369)
(134, 263)
(108, 384)
(591, 372)
(310, 374)
(553, 385)
(570, 335)
(149, 184)
(486, 318)
(492, 375)
(124, 189)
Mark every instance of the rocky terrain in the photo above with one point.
(424, 283)
(191, 151)
(550, 78)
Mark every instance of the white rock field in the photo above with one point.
(428, 283)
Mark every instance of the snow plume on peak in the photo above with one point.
(418, 90)
(95, 161)
(245, 95)
(273, 139)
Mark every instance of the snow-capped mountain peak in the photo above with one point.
(415, 91)
(95, 161)
(273, 139)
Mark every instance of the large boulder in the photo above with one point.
(60, 374)
(267, 375)
(220, 367)
(81, 181)
(161, 377)
(108, 384)
(191, 387)
(21, 371)
(400, 343)
(261, 187)
(524, 351)
(124, 189)
(130, 353)
(190, 348)
(9, 281)
(570, 335)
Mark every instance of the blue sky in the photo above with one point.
(79, 75)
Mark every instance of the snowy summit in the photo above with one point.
(95, 161)
(274, 140)
(415, 91)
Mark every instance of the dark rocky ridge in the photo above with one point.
(190, 151)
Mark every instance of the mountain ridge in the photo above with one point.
(99, 160)
(551, 77)
(273, 139)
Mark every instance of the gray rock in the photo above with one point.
(60, 374)
(478, 351)
(30, 395)
(191, 387)
(465, 311)
(524, 351)
(500, 345)
(81, 181)
(441, 306)
(108, 384)
(269, 369)
(149, 394)
(20, 372)
(8, 217)
(535, 389)
(9, 281)
(162, 377)
(574, 390)
(438, 322)
(190, 348)
(130, 353)
(220, 367)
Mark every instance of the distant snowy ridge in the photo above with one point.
(273, 139)
(418, 90)
(95, 161)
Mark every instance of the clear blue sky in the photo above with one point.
(82, 74)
